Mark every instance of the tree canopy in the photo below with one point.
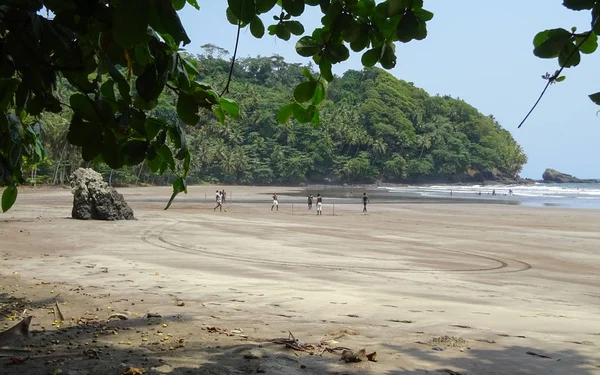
(373, 127)
(120, 56)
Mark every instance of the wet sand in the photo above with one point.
(513, 282)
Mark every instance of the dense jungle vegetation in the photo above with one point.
(373, 127)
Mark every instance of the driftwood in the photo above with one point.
(294, 343)
(58, 316)
(347, 355)
(18, 331)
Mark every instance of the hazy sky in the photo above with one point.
(479, 51)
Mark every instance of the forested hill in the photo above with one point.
(372, 127)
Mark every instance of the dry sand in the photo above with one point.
(504, 283)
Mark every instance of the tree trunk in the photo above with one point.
(58, 165)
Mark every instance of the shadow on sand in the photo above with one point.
(97, 349)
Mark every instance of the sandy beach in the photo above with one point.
(432, 288)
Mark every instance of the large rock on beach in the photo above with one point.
(94, 199)
(552, 175)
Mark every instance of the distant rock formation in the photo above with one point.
(93, 199)
(554, 176)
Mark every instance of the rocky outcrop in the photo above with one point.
(554, 176)
(94, 199)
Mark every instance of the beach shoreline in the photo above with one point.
(499, 281)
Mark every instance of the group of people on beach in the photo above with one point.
(319, 203)
(221, 197)
(319, 198)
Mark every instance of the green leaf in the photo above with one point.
(588, 45)
(243, 10)
(282, 32)
(122, 85)
(408, 27)
(579, 4)
(231, 18)
(186, 163)
(294, 27)
(549, 43)
(111, 152)
(164, 152)
(134, 152)
(388, 58)
(319, 95)
(153, 125)
(108, 90)
(337, 53)
(187, 109)
(9, 197)
(316, 120)
(362, 41)
(325, 68)
(371, 57)
(130, 22)
(179, 186)
(220, 114)
(178, 4)
(569, 56)
(194, 3)
(307, 73)
(304, 115)
(560, 79)
(424, 15)
(231, 107)
(165, 20)
(305, 91)
(177, 136)
(257, 28)
(293, 7)
(83, 106)
(595, 98)
(155, 163)
(263, 6)
(307, 46)
(396, 7)
(35, 106)
(151, 83)
(285, 113)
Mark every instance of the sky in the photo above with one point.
(479, 51)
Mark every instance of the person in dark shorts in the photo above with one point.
(319, 205)
(219, 200)
(365, 200)
(310, 201)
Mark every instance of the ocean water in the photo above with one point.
(539, 195)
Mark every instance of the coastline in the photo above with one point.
(470, 288)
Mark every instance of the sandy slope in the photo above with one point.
(508, 280)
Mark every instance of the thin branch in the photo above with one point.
(537, 101)
(552, 79)
(175, 89)
(65, 104)
(237, 41)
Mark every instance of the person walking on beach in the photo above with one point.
(310, 201)
(319, 205)
(224, 195)
(219, 200)
(365, 200)
(275, 202)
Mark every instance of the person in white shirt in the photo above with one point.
(219, 199)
